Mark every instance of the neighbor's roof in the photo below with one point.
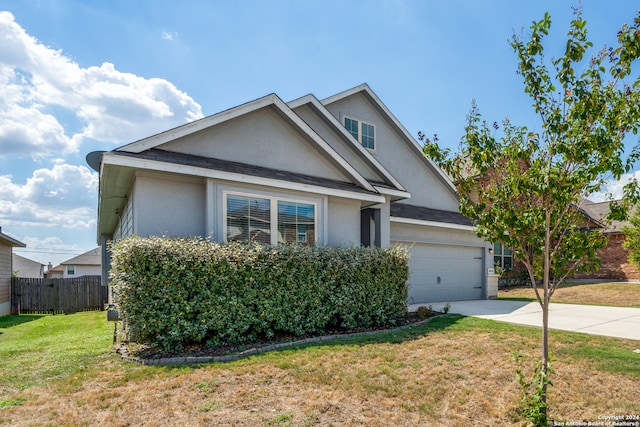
(10, 241)
(598, 211)
(92, 257)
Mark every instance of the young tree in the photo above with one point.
(524, 187)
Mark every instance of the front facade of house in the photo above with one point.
(339, 172)
(7, 243)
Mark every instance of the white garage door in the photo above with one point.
(445, 273)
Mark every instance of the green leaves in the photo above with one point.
(173, 292)
(632, 238)
(524, 187)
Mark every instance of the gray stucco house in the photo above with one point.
(339, 171)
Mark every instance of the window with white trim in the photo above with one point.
(71, 270)
(363, 132)
(502, 257)
(270, 220)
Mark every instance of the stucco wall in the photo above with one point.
(261, 138)
(343, 222)
(403, 162)
(337, 143)
(169, 205)
(420, 233)
(83, 270)
(172, 205)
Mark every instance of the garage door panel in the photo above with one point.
(444, 273)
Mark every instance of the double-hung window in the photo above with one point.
(363, 132)
(502, 256)
(270, 220)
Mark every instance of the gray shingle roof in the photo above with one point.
(598, 211)
(403, 210)
(92, 257)
(240, 168)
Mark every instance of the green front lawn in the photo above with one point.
(37, 349)
(58, 370)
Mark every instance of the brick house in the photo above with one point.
(614, 257)
(615, 265)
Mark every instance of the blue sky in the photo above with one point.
(78, 76)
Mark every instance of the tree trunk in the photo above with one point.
(545, 314)
(545, 354)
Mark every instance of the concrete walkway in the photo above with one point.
(616, 322)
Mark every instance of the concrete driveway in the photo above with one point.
(616, 322)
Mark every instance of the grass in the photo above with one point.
(452, 371)
(37, 349)
(617, 294)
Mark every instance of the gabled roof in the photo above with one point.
(357, 147)
(597, 212)
(366, 91)
(271, 100)
(92, 257)
(10, 241)
(240, 169)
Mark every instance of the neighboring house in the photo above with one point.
(87, 264)
(56, 272)
(7, 243)
(24, 267)
(614, 257)
(341, 171)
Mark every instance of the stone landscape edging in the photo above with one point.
(123, 351)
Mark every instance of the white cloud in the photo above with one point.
(64, 196)
(614, 188)
(112, 106)
(169, 35)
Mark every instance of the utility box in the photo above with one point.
(113, 315)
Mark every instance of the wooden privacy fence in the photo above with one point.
(57, 296)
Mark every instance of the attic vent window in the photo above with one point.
(363, 132)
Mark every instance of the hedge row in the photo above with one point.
(174, 292)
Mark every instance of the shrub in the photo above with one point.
(174, 292)
(423, 312)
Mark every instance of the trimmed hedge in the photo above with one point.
(175, 292)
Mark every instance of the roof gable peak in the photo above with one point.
(411, 142)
